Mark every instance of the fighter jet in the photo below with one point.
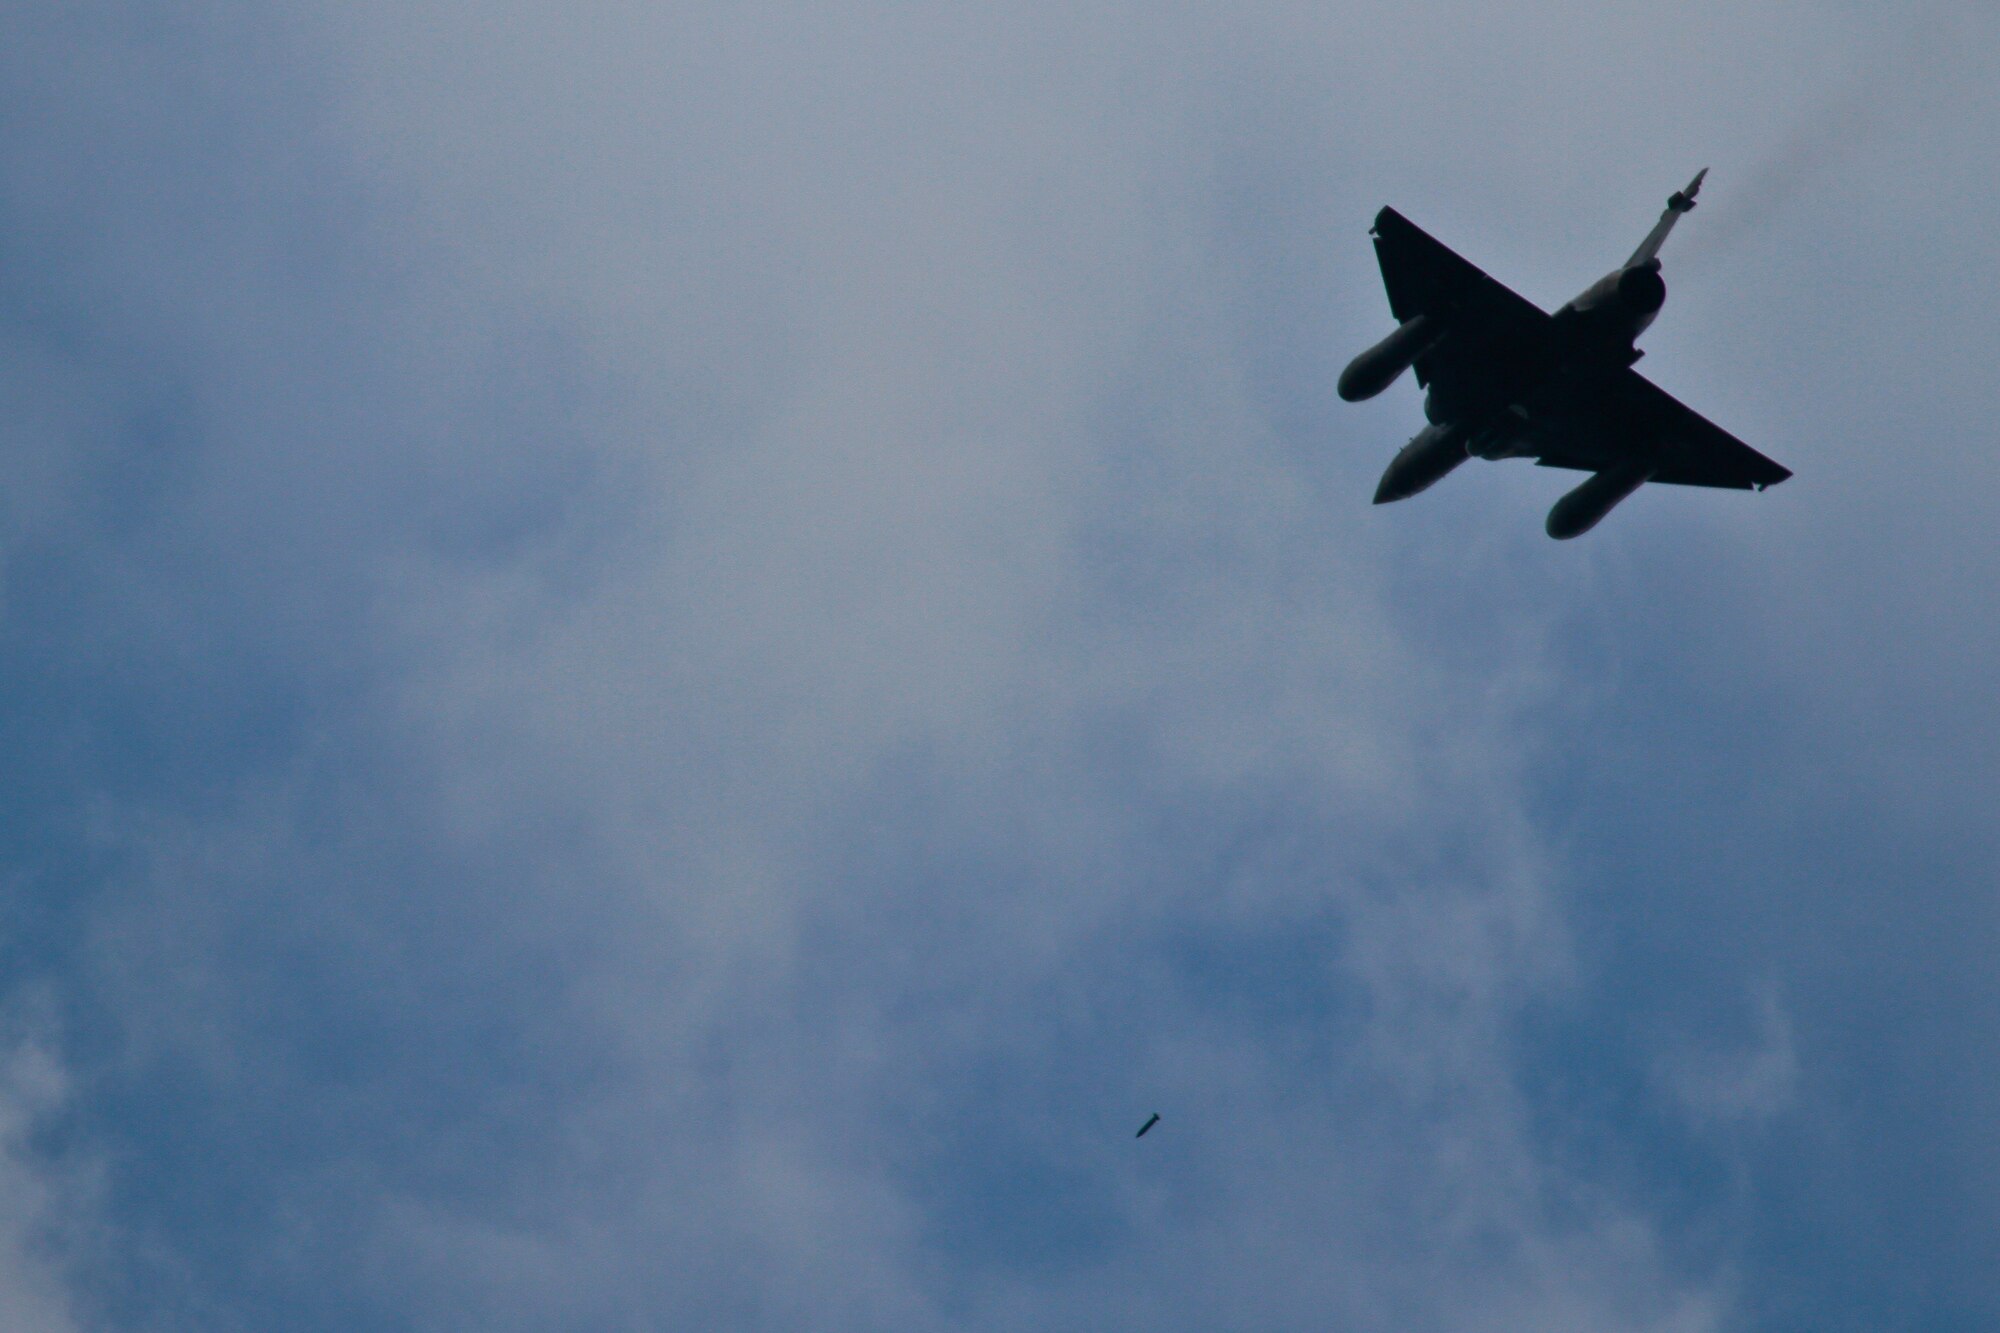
(1503, 379)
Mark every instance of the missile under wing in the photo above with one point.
(1504, 379)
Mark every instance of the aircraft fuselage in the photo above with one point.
(1505, 380)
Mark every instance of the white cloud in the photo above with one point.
(809, 635)
(35, 1202)
(1752, 1084)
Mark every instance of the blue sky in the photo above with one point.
(664, 666)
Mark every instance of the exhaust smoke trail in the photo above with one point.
(1833, 132)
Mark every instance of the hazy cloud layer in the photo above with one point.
(666, 666)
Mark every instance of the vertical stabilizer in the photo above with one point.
(1677, 204)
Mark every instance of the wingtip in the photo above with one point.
(1386, 217)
